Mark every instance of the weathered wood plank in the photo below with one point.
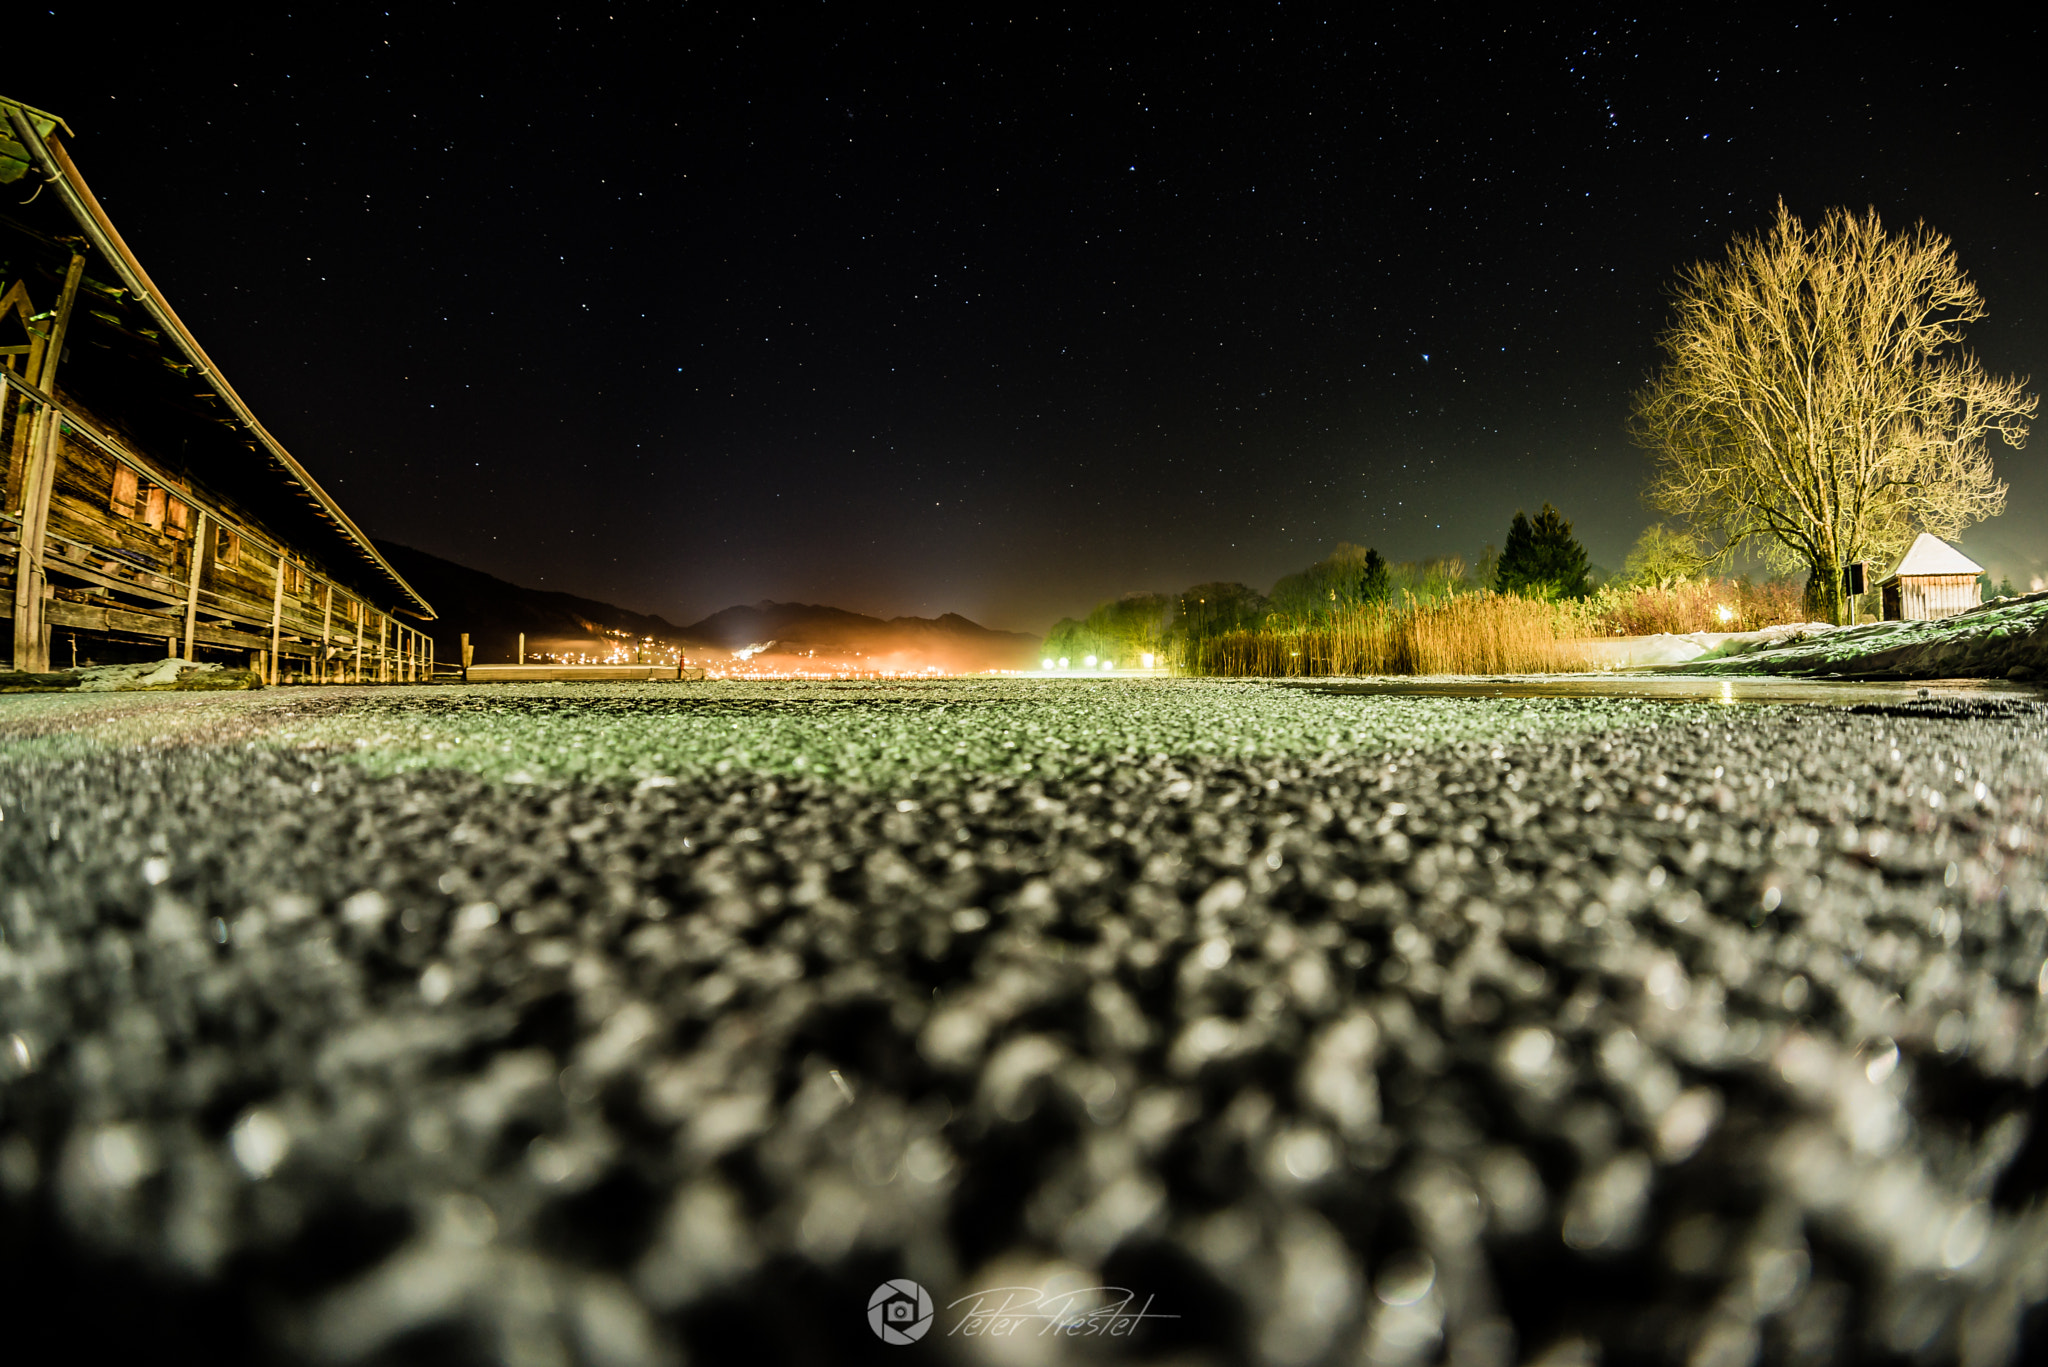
(134, 621)
(198, 553)
(276, 618)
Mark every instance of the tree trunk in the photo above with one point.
(1824, 599)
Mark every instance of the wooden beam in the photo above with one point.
(28, 558)
(192, 580)
(383, 634)
(93, 617)
(276, 617)
(54, 352)
(31, 645)
(326, 627)
(359, 646)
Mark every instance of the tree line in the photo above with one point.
(1539, 559)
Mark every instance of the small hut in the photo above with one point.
(1934, 580)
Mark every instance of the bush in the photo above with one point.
(1686, 606)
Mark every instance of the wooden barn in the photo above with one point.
(145, 510)
(1934, 580)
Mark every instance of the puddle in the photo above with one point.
(1679, 688)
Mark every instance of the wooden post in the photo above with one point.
(28, 562)
(326, 627)
(468, 656)
(383, 634)
(31, 641)
(192, 579)
(522, 647)
(276, 616)
(358, 634)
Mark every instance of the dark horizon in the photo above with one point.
(1004, 317)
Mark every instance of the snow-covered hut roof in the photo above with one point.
(1930, 555)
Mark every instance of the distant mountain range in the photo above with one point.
(833, 637)
(494, 613)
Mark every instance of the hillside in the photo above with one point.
(494, 612)
(806, 635)
(811, 635)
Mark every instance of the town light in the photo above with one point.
(1109, 664)
(1088, 660)
(1046, 663)
(1725, 613)
(1063, 662)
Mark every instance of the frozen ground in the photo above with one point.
(2006, 638)
(647, 1023)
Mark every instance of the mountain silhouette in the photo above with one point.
(793, 635)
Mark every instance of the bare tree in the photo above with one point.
(1663, 557)
(1816, 399)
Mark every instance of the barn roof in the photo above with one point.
(1930, 555)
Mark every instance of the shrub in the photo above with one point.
(1686, 606)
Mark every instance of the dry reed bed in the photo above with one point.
(1479, 633)
(1483, 633)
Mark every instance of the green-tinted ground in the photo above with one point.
(861, 732)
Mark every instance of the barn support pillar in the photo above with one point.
(31, 636)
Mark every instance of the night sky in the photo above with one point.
(680, 307)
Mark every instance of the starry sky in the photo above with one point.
(1004, 314)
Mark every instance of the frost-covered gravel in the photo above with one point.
(635, 1024)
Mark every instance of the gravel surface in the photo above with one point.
(652, 1023)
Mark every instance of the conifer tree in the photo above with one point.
(1542, 559)
(1375, 580)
